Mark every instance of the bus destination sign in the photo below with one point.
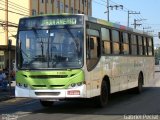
(62, 21)
(50, 21)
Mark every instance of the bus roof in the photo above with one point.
(96, 20)
(118, 26)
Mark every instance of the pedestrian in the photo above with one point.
(3, 81)
(13, 75)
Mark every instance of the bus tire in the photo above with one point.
(46, 103)
(139, 88)
(102, 99)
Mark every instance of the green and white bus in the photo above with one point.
(65, 56)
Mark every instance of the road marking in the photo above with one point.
(22, 114)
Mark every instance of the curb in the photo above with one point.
(6, 94)
(7, 97)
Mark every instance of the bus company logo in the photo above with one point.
(9, 117)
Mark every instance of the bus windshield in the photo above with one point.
(59, 48)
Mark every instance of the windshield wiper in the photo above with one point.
(73, 37)
(21, 51)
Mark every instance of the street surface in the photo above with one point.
(122, 106)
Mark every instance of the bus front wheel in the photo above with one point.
(102, 99)
(46, 103)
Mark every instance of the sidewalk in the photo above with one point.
(7, 94)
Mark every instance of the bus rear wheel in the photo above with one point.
(46, 103)
(102, 99)
(139, 88)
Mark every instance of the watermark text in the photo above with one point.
(141, 117)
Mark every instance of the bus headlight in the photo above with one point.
(25, 85)
(19, 84)
(80, 84)
(73, 85)
(22, 85)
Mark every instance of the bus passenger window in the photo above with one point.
(145, 46)
(106, 41)
(133, 44)
(115, 41)
(125, 44)
(150, 47)
(140, 45)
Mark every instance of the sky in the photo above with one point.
(149, 13)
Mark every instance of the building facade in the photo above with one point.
(61, 6)
(12, 11)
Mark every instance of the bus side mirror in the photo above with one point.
(91, 43)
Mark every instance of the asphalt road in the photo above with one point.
(122, 106)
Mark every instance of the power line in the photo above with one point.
(15, 9)
(13, 12)
(16, 5)
(124, 8)
(99, 3)
(133, 13)
(19, 5)
(152, 24)
(10, 24)
(8, 21)
(137, 17)
(10, 31)
(111, 6)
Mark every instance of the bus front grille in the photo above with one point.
(47, 93)
(57, 86)
(48, 76)
(39, 86)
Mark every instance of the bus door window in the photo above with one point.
(106, 42)
(93, 48)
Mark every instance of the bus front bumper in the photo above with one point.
(78, 92)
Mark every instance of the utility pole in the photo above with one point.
(9, 56)
(132, 12)
(8, 43)
(6, 21)
(116, 7)
(136, 24)
(111, 6)
(108, 9)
